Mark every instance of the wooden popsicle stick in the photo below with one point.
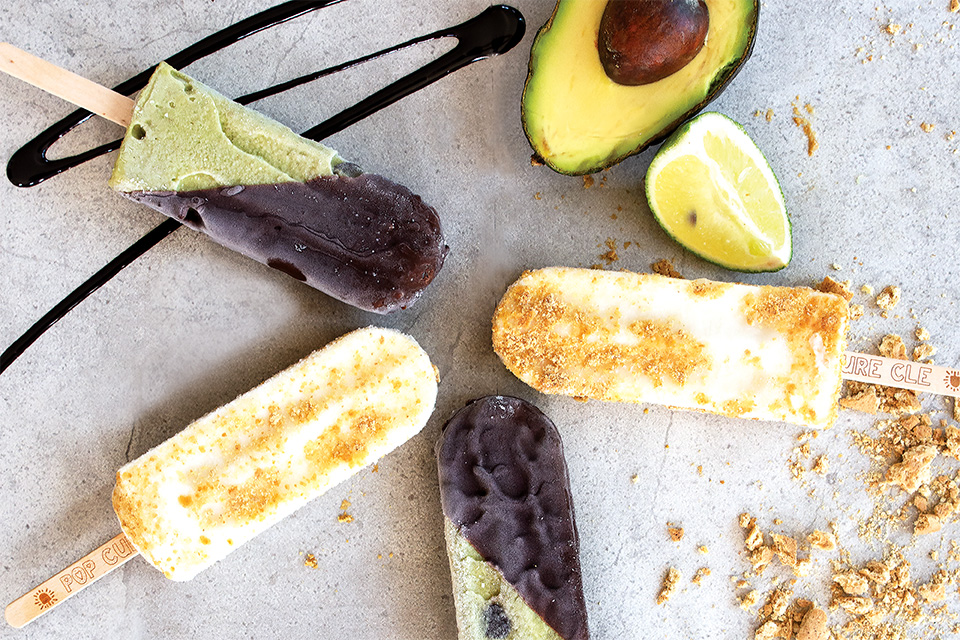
(902, 374)
(77, 576)
(65, 84)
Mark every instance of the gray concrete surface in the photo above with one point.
(191, 325)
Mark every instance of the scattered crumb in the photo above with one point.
(635, 478)
(786, 549)
(669, 587)
(310, 561)
(921, 333)
(852, 583)
(813, 626)
(914, 468)
(610, 256)
(587, 181)
(537, 196)
(892, 346)
(933, 592)
(892, 28)
(927, 523)
(665, 267)
(877, 572)
(701, 573)
(344, 516)
(866, 290)
(769, 630)
(777, 604)
(754, 539)
(703, 549)
(888, 298)
(856, 311)
(829, 285)
(676, 533)
(923, 352)
(821, 466)
(760, 558)
(768, 114)
(889, 399)
(866, 401)
(890, 601)
(954, 6)
(777, 616)
(926, 126)
(804, 124)
(856, 605)
(822, 540)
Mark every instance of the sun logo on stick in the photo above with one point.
(952, 380)
(44, 598)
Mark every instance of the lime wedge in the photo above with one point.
(711, 190)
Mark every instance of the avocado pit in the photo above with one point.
(643, 41)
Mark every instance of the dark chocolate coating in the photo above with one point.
(504, 484)
(364, 240)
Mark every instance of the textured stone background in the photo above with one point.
(191, 325)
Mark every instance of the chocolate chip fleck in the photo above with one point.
(496, 623)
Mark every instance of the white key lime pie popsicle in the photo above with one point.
(230, 475)
(770, 353)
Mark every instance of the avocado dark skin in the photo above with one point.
(642, 41)
(580, 118)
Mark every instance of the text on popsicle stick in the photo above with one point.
(902, 374)
(80, 574)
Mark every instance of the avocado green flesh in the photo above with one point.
(477, 585)
(185, 136)
(580, 121)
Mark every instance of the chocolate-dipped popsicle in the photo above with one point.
(258, 188)
(509, 525)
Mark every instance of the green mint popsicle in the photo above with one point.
(255, 186)
(185, 136)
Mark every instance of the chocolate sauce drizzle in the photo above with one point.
(494, 31)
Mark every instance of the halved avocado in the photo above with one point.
(580, 121)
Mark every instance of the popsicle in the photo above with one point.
(256, 187)
(770, 353)
(230, 475)
(509, 524)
